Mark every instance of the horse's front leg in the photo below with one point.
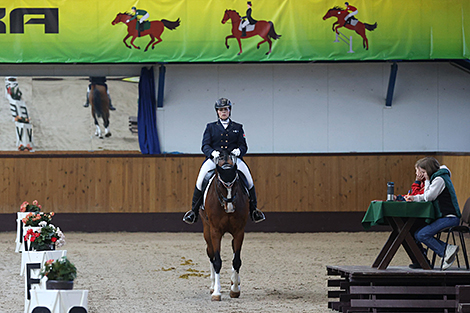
(239, 45)
(226, 40)
(217, 265)
(236, 264)
(336, 28)
(124, 40)
(333, 26)
(132, 42)
(216, 260)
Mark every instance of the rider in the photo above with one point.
(351, 9)
(143, 13)
(98, 80)
(224, 134)
(247, 19)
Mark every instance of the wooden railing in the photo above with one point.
(135, 183)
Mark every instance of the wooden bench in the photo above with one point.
(403, 297)
(133, 124)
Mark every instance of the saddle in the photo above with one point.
(352, 20)
(142, 26)
(249, 27)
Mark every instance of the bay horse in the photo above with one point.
(99, 101)
(155, 31)
(262, 28)
(226, 210)
(360, 27)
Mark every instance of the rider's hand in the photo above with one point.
(127, 21)
(236, 152)
(215, 154)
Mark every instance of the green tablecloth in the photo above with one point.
(378, 211)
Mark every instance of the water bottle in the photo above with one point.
(390, 190)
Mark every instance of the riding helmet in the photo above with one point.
(223, 103)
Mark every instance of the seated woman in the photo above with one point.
(439, 189)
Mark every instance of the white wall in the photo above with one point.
(324, 107)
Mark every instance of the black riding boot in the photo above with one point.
(191, 216)
(87, 103)
(244, 32)
(111, 104)
(255, 214)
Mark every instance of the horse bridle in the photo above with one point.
(228, 186)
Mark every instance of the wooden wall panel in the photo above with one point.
(134, 183)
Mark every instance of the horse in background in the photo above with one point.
(99, 102)
(358, 26)
(226, 210)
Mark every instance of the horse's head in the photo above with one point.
(335, 11)
(226, 165)
(121, 17)
(230, 14)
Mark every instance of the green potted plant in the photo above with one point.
(48, 237)
(27, 207)
(33, 219)
(60, 274)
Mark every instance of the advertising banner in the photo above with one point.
(111, 31)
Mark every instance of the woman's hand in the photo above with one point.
(409, 198)
(420, 176)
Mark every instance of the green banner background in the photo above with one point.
(408, 30)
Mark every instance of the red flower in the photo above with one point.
(53, 239)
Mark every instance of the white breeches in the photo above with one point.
(350, 14)
(210, 165)
(143, 18)
(245, 23)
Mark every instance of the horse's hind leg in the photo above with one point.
(107, 132)
(236, 264)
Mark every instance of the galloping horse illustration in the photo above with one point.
(155, 31)
(99, 102)
(262, 28)
(360, 27)
(226, 209)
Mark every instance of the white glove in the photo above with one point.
(127, 21)
(215, 154)
(236, 152)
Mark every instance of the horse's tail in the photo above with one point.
(272, 32)
(171, 25)
(370, 27)
(97, 104)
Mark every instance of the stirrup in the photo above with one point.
(190, 217)
(257, 216)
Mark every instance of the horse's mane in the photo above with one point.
(234, 12)
(126, 13)
(337, 8)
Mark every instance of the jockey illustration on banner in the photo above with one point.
(144, 15)
(247, 19)
(350, 18)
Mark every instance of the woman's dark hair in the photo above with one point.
(429, 164)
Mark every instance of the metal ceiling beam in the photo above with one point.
(161, 85)
(391, 84)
